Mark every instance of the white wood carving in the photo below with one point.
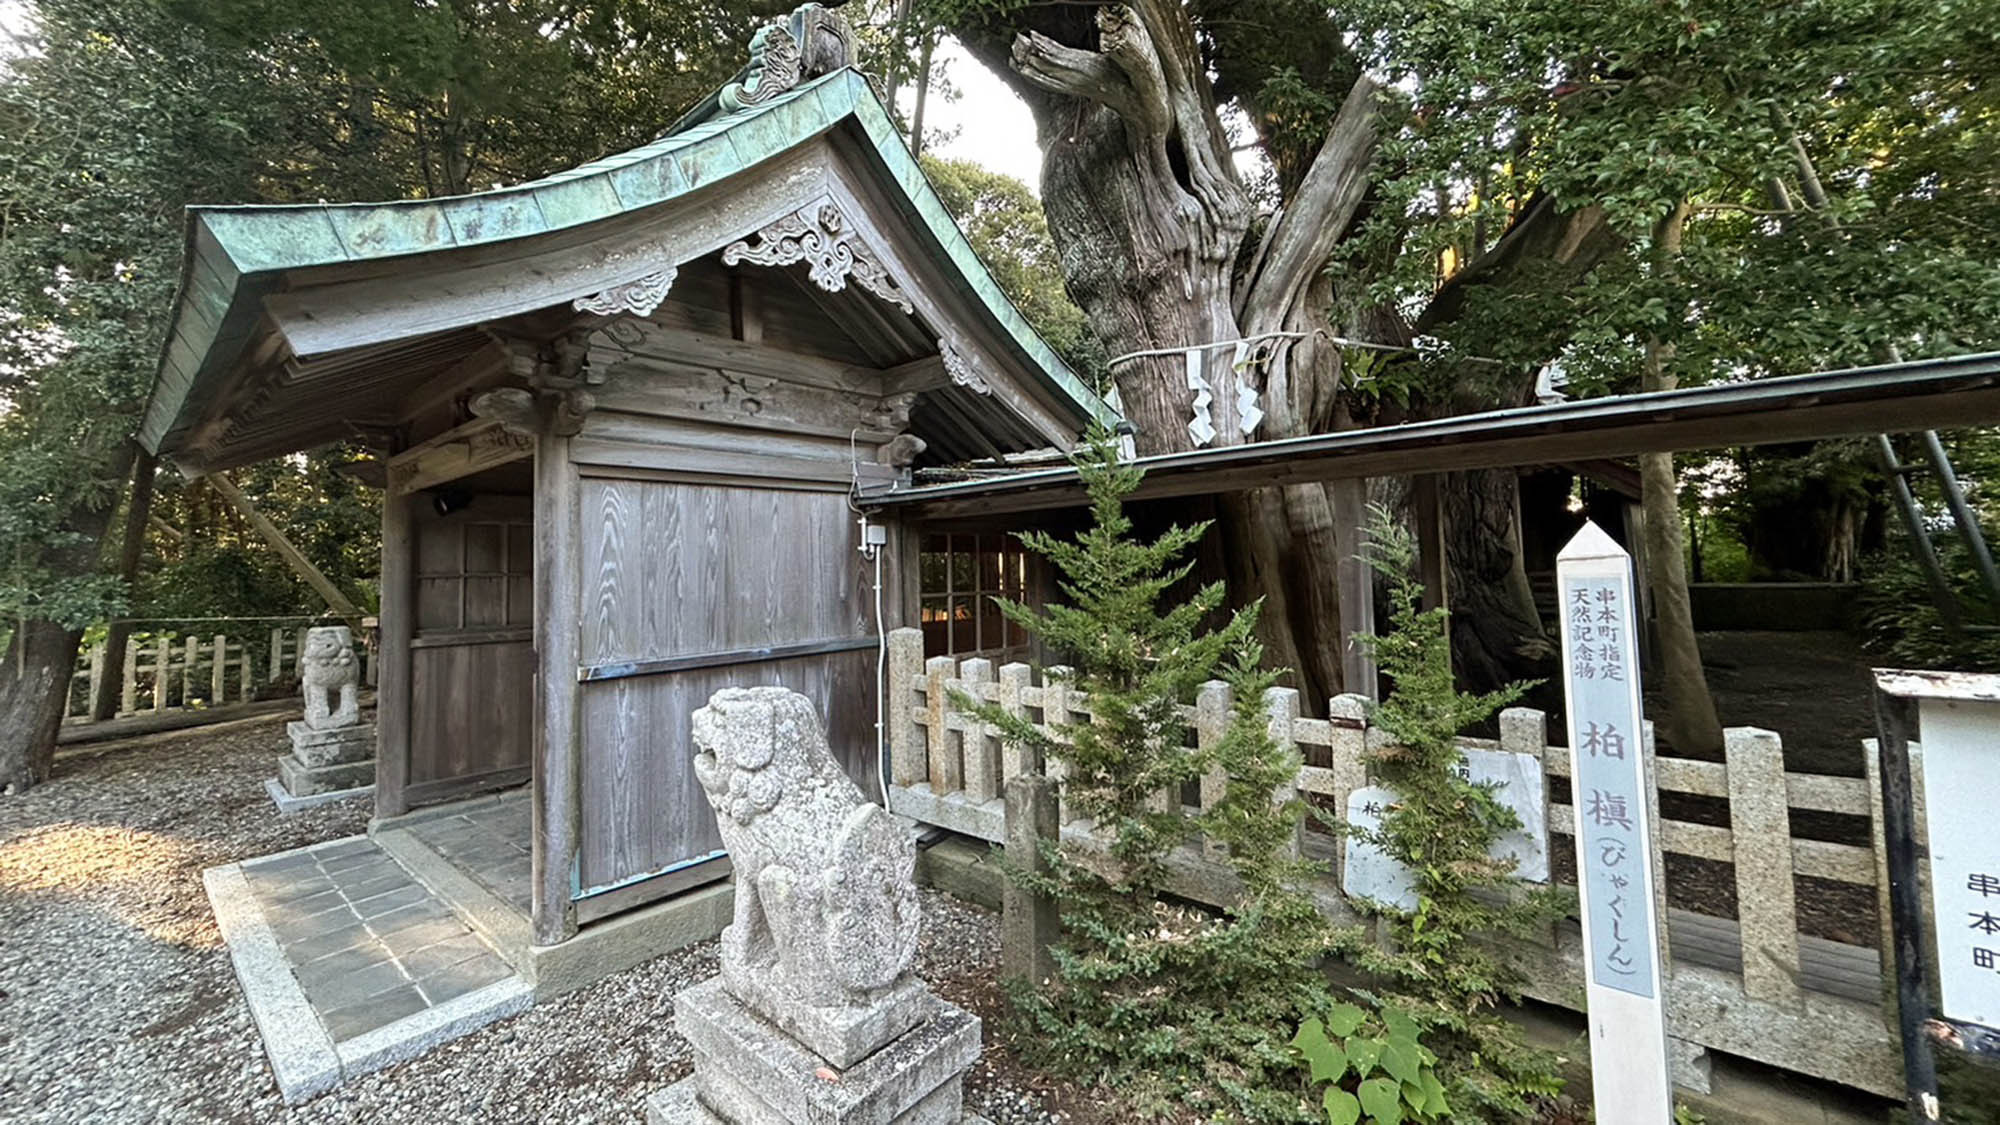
(961, 370)
(639, 297)
(820, 236)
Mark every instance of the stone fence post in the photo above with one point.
(1028, 921)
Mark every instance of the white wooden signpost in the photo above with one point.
(1614, 833)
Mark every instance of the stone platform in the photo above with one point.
(327, 761)
(748, 1072)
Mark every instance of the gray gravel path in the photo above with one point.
(117, 1002)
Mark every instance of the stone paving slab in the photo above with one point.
(489, 842)
(352, 963)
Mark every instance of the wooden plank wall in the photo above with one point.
(704, 573)
(472, 654)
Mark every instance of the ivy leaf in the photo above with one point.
(1341, 1107)
(1383, 1099)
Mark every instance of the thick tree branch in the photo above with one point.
(1075, 73)
(1542, 234)
(1310, 227)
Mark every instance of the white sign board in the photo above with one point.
(1614, 851)
(1370, 873)
(1961, 766)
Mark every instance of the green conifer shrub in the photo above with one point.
(1178, 1008)
(1441, 962)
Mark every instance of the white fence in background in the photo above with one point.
(1752, 986)
(204, 666)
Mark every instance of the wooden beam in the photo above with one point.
(441, 387)
(558, 753)
(685, 348)
(1946, 394)
(918, 375)
(476, 446)
(393, 669)
(296, 559)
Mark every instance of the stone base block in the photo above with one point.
(341, 745)
(748, 1072)
(841, 1036)
(288, 804)
(301, 780)
(680, 1104)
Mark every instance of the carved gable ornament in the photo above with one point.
(811, 42)
(638, 297)
(820, 236)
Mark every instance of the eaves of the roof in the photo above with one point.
(232, 248)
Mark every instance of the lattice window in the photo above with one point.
(961, 575)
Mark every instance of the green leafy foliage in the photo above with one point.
(1632, 109)
(1345, 1050)
(1440, 962)
(1175, 1006)
(1004, 222)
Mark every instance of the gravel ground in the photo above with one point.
(118, 1003)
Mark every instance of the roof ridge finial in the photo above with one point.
(811, 42)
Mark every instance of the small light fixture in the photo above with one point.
(447, 501)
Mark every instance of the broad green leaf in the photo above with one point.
(1400, 1025)
(1400, 1062)
(1343, 1019)
(1383, 1099)
(1311, 1034)
(1328, 1063)
(1362, 1055)
(1434, 1103)
(1341, 1107)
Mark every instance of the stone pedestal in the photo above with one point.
(748, 1072)
(328, 761)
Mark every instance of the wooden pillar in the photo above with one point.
(397, 622)
(104, 698)
(1357, 584)
(1430, 540)
(557, 753)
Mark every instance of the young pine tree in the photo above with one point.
(1441, 962)
(1178, 1008)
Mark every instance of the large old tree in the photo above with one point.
(1621, 188)
(1165, 246)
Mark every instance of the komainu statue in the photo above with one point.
(826, 905)
(817, 1017)
(331, 678)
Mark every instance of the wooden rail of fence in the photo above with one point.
(172, 670)
(1752, 987)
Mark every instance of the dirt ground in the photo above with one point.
(1815, 691)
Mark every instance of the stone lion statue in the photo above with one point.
(826, 906)
(331, 677)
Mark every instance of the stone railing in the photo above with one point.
(202, 665)
(1793, 1001)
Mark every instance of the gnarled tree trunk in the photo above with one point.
(1152, 223)
(40, 657)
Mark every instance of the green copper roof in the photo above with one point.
(231, 248)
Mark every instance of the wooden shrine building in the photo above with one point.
(624, 411)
